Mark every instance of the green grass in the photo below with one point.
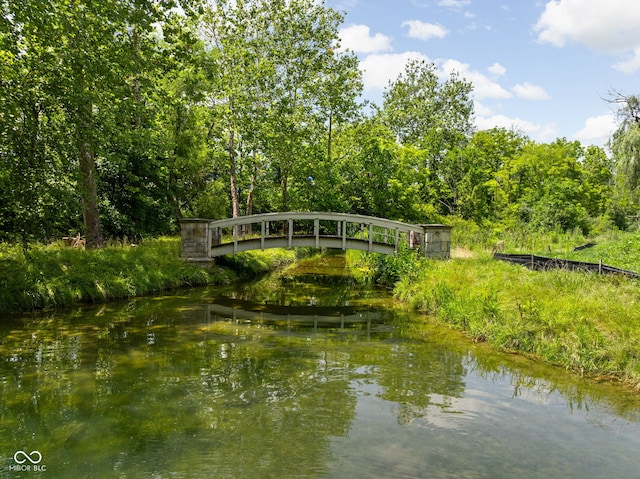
(583, 322)
(53, 276)
(623, 252)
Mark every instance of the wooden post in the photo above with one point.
(316, 231)
(344, 235)
(290, 233)
(262, 232)
(397, 240)
(370, 237)
(235, 239)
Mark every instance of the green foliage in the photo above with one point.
(279, 90)
(426, 113)
(404, 265)
(625, 143)
(59, 276)
(124, 117)
(256, 263)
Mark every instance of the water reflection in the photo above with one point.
(228, 384)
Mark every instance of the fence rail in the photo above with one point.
(535, 262)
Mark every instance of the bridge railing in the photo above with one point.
(203, 239)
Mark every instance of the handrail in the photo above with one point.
(322, 216)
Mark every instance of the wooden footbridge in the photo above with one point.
(204, 239)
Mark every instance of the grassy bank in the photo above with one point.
(587, 323)
(51, 276)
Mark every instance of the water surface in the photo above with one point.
(303, 376)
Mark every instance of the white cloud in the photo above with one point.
(529, 91)
(497, 70)
(546, 133)
(502, 121)
(542, 133)
(481, 110)
(454, 3)
(483, 86)
(379, 69)
(425, 31)
(610, 26)
(632, 65)
(597, 129)
(358, 39)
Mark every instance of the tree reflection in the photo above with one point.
(173, 386)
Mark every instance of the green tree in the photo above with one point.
(89, 62)
(625, 145)
(278, 89)
(556, 186)
(483, 187)
(434, 116)
(36, 178)
(425, 112)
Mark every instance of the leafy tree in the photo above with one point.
(85, 75)
(556, 185)
(483, 189)
(422, 111)
(625, 144)
(278, 88)
(426, 113)
(35, 175)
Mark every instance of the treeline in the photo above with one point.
(117, 119)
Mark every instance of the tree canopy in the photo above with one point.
(117, 119)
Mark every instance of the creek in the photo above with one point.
(306, 374)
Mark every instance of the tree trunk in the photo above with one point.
(89, 194)
(84, 125)
(86, 162)
(285, 192)
(329, 137)
(250, 194)
(235, 202)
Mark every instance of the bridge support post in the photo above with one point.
(196, 239)
(437, 241)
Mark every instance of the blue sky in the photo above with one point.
(542, 67)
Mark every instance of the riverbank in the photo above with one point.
(55, 276)
(587, 323)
